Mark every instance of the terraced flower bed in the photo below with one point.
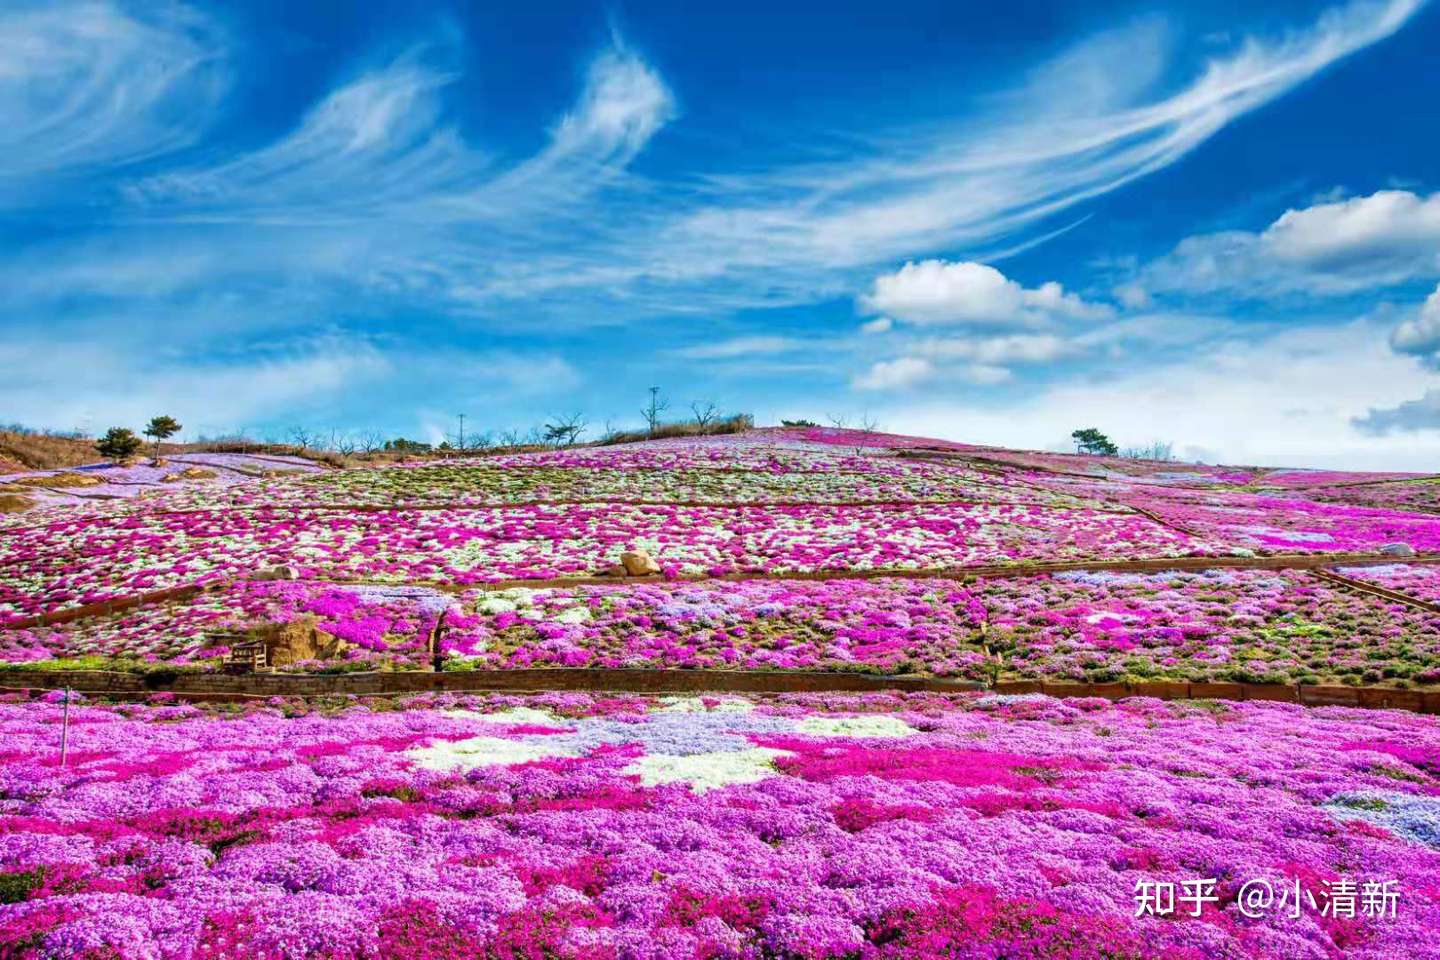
(85, 561)
(1279, 524)
(570, 826)
(1215, 626)
(109, 481)
(479, 484)
(383, 628)
(1418, 580)
(1254, 626)
(1421, 496)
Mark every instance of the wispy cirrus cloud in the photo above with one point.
(380, 197)
(88, 85)
(373, 144)
(1085, 125)
(381, 146)
(464, 227)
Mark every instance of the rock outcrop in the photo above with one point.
(637, 563)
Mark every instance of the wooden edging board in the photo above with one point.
(259, 686)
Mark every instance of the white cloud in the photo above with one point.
(739, 347)
(878, 325)
(895, 374)
(1088, 124)
(378, 166)
(374, 142)
(211, 394)
(1386, 238)
(1132, 296)
(983, 374)
(86, 84)
(378, 150)
(1386, 226)
(1285, 399)
(1411, 416)
(937, 292)
(1420, 336)
(1012, 348)
(624, 104)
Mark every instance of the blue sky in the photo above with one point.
(1211, 224)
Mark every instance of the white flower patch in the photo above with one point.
(707, 771)
(507, 601)
(484, 752)
(572, 616)
(513, 717)
(697, 705)
(867, 726)
(1103, 615)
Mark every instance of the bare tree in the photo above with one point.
(706, 413)
(564, 431)
(868, 427)
(343, 444)
(510, 438)
(651, 412)
(370, 441)
(838, 421)
(302, 437)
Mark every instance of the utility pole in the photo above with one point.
(650, 420)
(65, 729)
(462, 431)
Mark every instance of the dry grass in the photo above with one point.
(59, 480)
(40, 451)
(736, 424)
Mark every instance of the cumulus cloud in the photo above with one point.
(938, 292)
(1412, 416)
(1420, 336)
(878, 325)
(1386, 238)
(1288, 398)
(1389, 227)
(895, 374)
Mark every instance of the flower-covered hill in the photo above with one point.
(509, 547)
(570, 826)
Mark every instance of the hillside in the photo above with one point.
(789, 693)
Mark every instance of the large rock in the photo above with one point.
(1398, 550)
(637, 563)
(12, 503)
(299, 640)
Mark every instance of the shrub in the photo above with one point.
(119, 443)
